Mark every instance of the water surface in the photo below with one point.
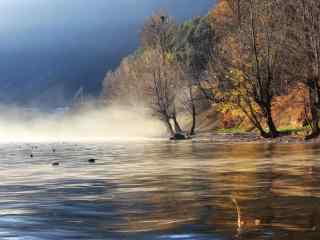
(159, 190)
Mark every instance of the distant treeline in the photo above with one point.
(239, 57)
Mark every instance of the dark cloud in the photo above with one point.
(46, 44)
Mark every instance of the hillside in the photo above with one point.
(226, 70)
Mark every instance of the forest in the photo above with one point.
(249, 65)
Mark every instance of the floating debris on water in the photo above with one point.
(92, 160)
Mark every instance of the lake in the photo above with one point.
(159, 190)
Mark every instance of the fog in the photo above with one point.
(89, 123)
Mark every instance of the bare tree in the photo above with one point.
(158, 34)
(188, 97)
(162, 84)
(192, 48)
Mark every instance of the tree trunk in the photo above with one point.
(169, 126)
(263, 133)
(314, 113)
(273, 132)
(193, 127)
(315, 121)
(251, 115)
(176, 123)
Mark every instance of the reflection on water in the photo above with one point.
(160, 190)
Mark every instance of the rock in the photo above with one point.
(55, 164)
(179, 136)
(92, 160)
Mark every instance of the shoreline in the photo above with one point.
(251, 137)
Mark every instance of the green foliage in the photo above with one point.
(293, 129)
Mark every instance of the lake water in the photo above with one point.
(159, 190)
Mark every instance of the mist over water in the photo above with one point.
(90, 123)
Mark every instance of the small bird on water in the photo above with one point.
(92, 160)
(55, 164)
(31, 155)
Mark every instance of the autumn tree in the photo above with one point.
(250, 53)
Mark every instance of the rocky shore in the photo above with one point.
(251, 137)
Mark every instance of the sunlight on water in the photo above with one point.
(159, 190)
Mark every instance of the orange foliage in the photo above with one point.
(289, 110)
(221, 14)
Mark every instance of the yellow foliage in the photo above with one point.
(169, 57)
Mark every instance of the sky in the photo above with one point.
(50, 48)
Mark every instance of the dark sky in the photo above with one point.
(49, 48)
